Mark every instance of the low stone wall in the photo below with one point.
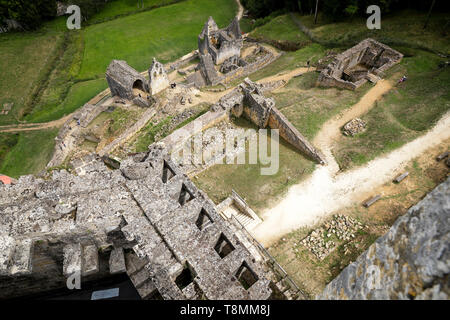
(288, 132)
(183, 60)
(250, 68)
(203, 122)
(131, 131)
(411, 261)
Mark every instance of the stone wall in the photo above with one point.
(289, 133)
(374, 56)
(158, 79)
(411, 261)
(185, 249)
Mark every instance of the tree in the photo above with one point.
(315, 14)
(429, 14)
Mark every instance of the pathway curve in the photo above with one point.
(327, 191)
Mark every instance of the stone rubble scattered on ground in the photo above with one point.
(342, 227)
(354, 127)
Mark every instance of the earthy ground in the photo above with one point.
(312, 274)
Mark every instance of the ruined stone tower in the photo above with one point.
(221, 44)
(158, 79)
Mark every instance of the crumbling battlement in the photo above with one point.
(221, 44)
(353, 67)
(158, 79)
(248, 100)
(186, 248)
(411, 261)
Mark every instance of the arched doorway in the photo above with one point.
(138, 84)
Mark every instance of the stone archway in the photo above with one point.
(237, 110)
(138, 84)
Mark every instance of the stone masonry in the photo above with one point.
(122, 79)
(221, 44)
(367, 60)
(248, 100)
(158, 79)
(181, 248)
(411, 261)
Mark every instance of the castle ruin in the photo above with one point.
(221, 44)
(146, 218)
(158, 80)
(367, 61)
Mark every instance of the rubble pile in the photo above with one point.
(354, 126)
(341, 227)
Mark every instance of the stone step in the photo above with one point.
(90, 263)
(146, 289)
(73, 259)
(373, 78)
(6, 251)
(21, 262)
(117, 261)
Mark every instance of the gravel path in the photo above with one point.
(327, 191)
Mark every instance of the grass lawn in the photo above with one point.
(404, 27)
(246, 179)
(30, 154)
(165, 33)
(281, 28)
(23, 62)
(116, 8)
(403, 114)
(77, 96)
(7, 142)
(308, 107)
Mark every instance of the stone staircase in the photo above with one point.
(373, 78)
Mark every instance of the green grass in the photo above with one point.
(30, 154)
(165, 33)
(402, 28)
(281, 28)
(23, 60)
(291, 60)
(116, 8)
(7, 142)
(147, 135)
(308, 107)
(78, 95)
(403, 114)
(219, 180)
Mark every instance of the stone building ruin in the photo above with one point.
(219, 52)
(367, 61)
(249, 101)
(146, 219)
(123, 80)
(221, 44)
(127, 83)
(158, 80)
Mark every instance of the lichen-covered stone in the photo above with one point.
(411, 261)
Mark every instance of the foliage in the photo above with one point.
(338, 9)
(30, 14)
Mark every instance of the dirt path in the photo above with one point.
(325, 139)
(326, 191)
(35, 126)
(240, 10)
(287, 75)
